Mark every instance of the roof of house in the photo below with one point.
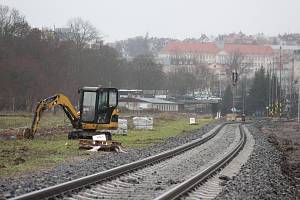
(146, 100)
(285, 47)
(211, 48)
(248, 49)
(195, 47)
(130, 99)
(156, 100)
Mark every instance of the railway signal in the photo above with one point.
(234, 78)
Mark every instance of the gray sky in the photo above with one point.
(120, 19)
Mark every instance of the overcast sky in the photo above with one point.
(120, 19)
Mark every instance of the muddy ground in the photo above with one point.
(285, 135)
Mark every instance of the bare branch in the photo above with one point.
(82, 32)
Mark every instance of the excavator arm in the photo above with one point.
(48, 103)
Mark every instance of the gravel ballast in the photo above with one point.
(11, 187)
(261, 177)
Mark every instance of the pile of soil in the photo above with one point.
(285, 135)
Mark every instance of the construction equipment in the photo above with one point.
(231, 117)
(236, 117)
(97, 113)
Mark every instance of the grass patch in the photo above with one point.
(48, 120)
(14, 122)
(23, 156)
(163, 128)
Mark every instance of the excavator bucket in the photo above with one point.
(28, 134)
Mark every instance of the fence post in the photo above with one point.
(13, 104)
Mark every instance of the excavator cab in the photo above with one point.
(97, 105)
(97, 112)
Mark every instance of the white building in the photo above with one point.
(149, 104)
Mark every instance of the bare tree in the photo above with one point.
(146, 73)
(204, 38)
(181, 82)
(234, 61)
(202, 74)
(82, 32)
(12, 24)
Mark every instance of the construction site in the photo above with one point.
(194, 111)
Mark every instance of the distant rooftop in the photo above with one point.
(155, 100)
(212, 48)
(285, 47)
(195, 47)
(148, 100)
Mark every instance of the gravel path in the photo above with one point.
(261, 177)
(96, 163)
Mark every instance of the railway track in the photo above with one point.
(188, 185)
(168, 175)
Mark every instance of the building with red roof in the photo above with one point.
(249, 49)
(188, 55)
(197, 48)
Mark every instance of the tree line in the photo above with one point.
(35, 63)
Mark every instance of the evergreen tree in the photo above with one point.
(227, 101)
(258, 97)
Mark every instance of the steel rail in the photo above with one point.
(200, 177)
(98, 177)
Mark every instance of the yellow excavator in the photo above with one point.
(97, 112)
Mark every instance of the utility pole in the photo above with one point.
(220, 91)
(244, 93)
(276, 92)
(274, 89)
(273, 86)
(234, 92)
(291, 99)
(292, 78)
(298, 102)
(13, 104)
(279, 106)
(270, 89)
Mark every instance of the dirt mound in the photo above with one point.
(286, 137)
